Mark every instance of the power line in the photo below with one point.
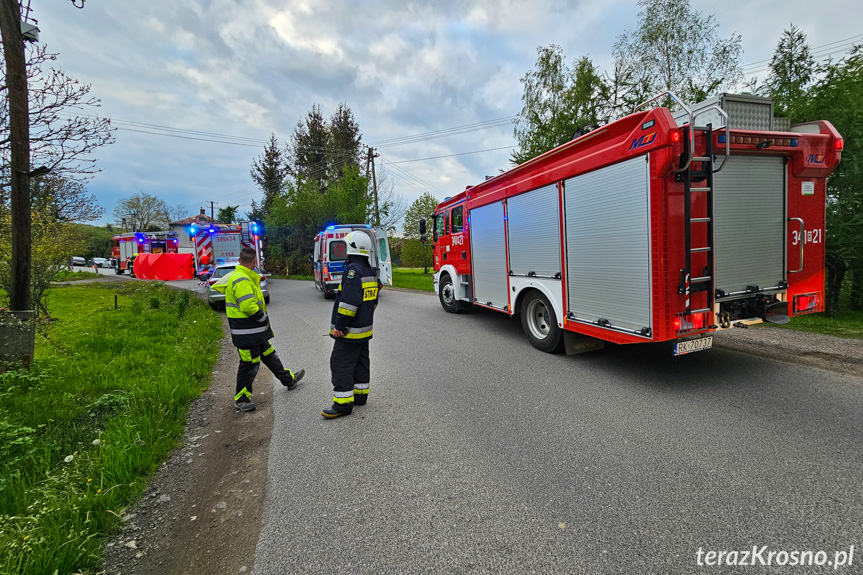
(816, 48)
(452, 155)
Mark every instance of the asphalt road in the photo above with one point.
(478, 454)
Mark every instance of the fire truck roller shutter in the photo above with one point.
(488, 252)
(608, 245)
(533, 226)
(749, 209)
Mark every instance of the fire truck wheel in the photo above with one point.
(446, 293)
(539, 323)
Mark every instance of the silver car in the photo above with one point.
(216, 299)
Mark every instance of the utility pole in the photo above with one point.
(212, 217)
(371, 160)
(19, 136)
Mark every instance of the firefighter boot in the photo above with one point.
(336, 411)
(244, 406)
(292, 384)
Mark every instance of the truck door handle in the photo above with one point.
(464, 255)
(802, 240)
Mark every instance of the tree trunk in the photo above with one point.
(836, 268)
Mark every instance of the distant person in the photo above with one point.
(250, 329)
(353, 315)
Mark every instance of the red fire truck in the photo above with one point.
(654, 228)
(126, 246)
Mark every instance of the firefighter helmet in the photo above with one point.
(358, 244)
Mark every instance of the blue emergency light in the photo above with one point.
(192, 230)
(140, 238)
(212, 230)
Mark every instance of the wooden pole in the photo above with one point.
(19, 136)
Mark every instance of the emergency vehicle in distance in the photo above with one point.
(216, 244)
(125, 246)
(331, 252)
(654, 228)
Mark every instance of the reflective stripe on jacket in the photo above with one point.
(245, 307)
(355, 303)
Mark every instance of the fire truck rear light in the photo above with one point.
(805, 302)
(839, 144)
(677, 324)
(690, 322)
(675, 136)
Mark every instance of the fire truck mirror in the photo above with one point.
(423, 227)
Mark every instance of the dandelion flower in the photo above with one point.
(99, 491)
(69, 458)
(89, 480)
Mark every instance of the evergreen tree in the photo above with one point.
(344, 142)
(308, 154)
(792, 72)
(269, 171)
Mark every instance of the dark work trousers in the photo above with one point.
(250, 361)
(350, 367)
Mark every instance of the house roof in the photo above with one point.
(196, 219)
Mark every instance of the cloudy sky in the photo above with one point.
(196, 87)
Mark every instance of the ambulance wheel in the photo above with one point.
(447, 295)
(540, 324)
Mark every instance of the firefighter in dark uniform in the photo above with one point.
(250, 329)
(351, 327)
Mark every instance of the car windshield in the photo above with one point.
(222, 272)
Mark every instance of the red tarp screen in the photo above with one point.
(165, 267)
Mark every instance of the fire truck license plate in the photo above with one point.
(693, 345)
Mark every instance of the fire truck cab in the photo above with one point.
(658, 227)
(125, 247)
(330, 253)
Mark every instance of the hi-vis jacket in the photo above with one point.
(356, 300)
(244, 306)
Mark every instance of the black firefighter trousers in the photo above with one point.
(350, 367)
(250, 361)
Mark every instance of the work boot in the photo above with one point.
(297, 377)
(244, 406)
(334, 412)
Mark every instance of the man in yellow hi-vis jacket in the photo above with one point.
(353, 315)
(250, 329)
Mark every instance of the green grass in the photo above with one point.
(846, 323)
(413, 278)
(67, 276)
(82, 431)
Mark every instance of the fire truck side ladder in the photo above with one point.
(704, 281)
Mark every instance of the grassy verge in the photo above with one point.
(83, 430)
(413, 278)
(846, 323)
(67, 276)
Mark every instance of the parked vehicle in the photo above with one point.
(216, 299)
(99, 262)
(653, 228)
(78, 261)
(125, 246)
(215, 244)
(331, 252)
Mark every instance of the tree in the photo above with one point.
(792, 72)
(269, 172)
(66, 199)
(61, 137)
(142, 212)
(837, 97)
(344, 141)
(413, 252)
(675, 48)
(557, 101)
(307, 156)
(227, 215)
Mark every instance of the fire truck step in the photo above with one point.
(699, 220)
(701, 279)
(700, 250)
(701, 159)
(702, 310)
(700, 190)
